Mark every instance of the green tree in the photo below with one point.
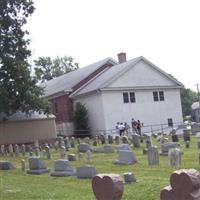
(188, 97)
(47, 68)
(81, 120)
(18, 90)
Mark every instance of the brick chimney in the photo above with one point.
(121, 57)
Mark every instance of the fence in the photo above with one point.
(148, 130)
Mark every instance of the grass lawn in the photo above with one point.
(15, 184)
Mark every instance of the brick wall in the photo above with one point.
(63, 108)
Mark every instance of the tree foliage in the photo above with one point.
(81, 120)
(18, 90)
(47, 68)
(188, 97)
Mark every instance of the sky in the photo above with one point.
(166, 32)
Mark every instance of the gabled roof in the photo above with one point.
(105, 79)
(66, 82)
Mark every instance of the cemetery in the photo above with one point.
(104, 171)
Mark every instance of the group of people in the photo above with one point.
(125, 128)
(136, 126)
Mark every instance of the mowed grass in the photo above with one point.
(15, 184)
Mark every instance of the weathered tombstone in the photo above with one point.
(72, 142)
(36, 166)
(62, 152)
(166, 146)
(3, 150)
(107, 187)
(6, 165)
(174, 136)
(117, 140)
(108, 149)
(78, 140)
(62, 168)
(153, 155)
(144, 151)
(102, 139)
(86, 171)
(125, 140)
(126, 158)
(110, 139)
(48, 153)
(37, 151)
(174, 157)
(148, 142)
(89, 155)
(129, 177)
(67, 143)
(186, 135)
(87, 140)
(184, 185)
(23, 149)
(94, 143)
(71, 157)
(16, 149)
(123, 147)
(187, 144)
(83, 147)
(23, 165)
(10, 148)
(56, 145)
(136, 140)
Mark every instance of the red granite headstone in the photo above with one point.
(185, 185)
(107, 187)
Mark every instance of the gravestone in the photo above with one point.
(23, 149)
(136, 140)
(187, 144)
(126, 158)
(6, 165)
(78, 140)
(107, 187)
(184, 185)
(125, 140)
(167, 146)
(95, 143)
(67, 143)
(86, 172)
(71, 157)
(37, 151)
(110, 139)
(23, 165)
(123, 147)
(117, 140)
(10, 148)
(89, 155)
(174, 157)
(129, 177)
(153, 155)
(16, 149)
(72, 142)
(62, 168)
(56, 145)
(83, 147)
(148, 142)
(87, 140)
(108, 149)
(36, 166)
(174, 136)
(102, 139)
(186, 135)
(62, 152)
(48, 153)
(3, 150)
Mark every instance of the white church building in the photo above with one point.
(129, 89)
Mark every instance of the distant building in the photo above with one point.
(116, 92)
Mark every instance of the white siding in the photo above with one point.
(95, 109)
(145, 109)
(142, 74)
